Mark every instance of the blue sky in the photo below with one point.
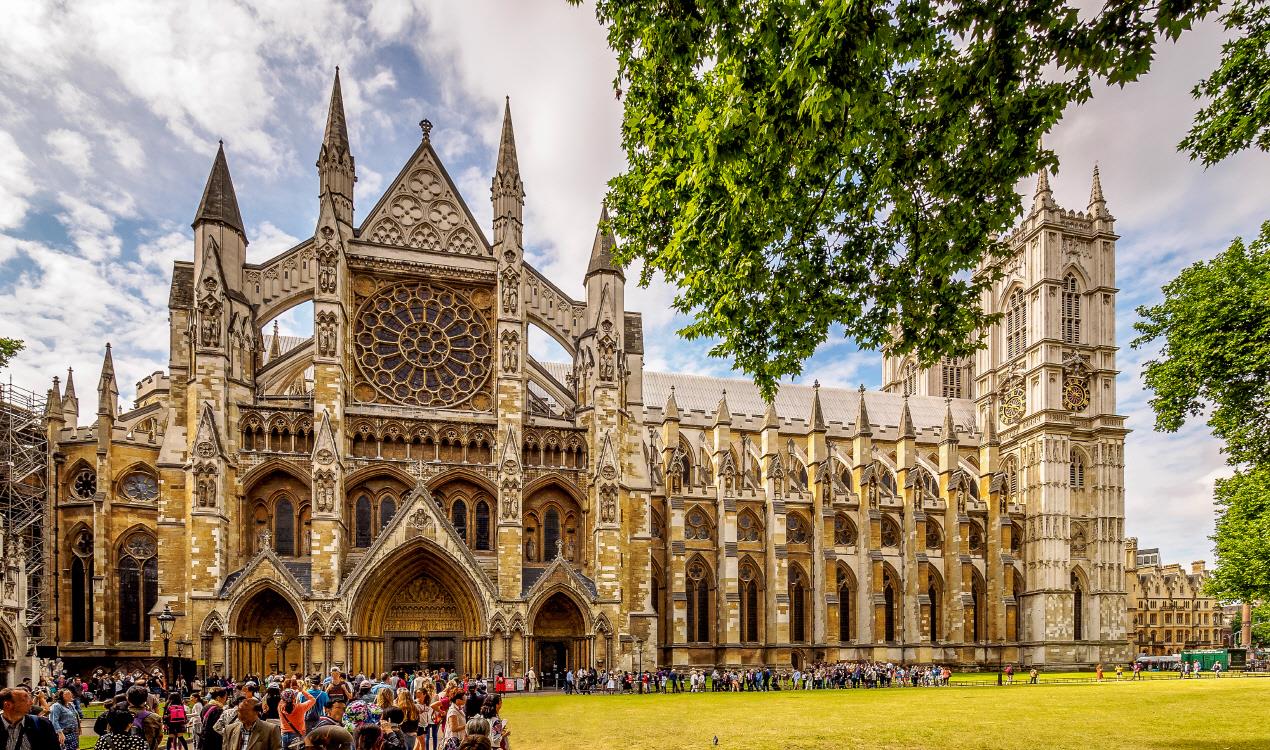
(110, 113)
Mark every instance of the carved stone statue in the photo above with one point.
(531, 550)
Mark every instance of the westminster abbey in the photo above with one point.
(409, 487)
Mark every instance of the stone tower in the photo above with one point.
(1047, 379)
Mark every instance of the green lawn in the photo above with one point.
(1207, 714)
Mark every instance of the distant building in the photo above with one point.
(1168, 609)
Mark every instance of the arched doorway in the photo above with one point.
(265, 613)
(417, 609)
(560, 641)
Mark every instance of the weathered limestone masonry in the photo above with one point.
(409, 486)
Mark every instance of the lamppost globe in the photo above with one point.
(166, 621)
(277, 636)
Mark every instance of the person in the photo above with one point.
(1098, 671)
(334, 715)
(455, 722)
(1009, 674)
(531, 681)
(320, 702)
(394, 738)
(209, 737)
(427, 727)
(251, 732)
(1119, 672)
(499, 734)
(175, 721)
(328, 737)
(1216, 669)
(118, 722)
(410, 717)
(291, 713)
(1033, 676)
(65, 718)
(475, 742)
(19, 729)
(367, 737)
(338, 686)
(145, 722)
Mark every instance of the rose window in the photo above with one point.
(85, 484)
(423, 345)
(140, 486)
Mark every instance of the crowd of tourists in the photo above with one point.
(841, 675)
(420, 711)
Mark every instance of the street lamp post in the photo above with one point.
(277, 643)
(166, 621)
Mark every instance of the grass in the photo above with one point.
(1205, 714)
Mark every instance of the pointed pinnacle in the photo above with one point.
(907, 431)
(70, 382)
(275, 346)
(336, 135)
(671, 411)
(1097, 203)
(770, 419)
(507, 162)
(817, 419)
(722, 414)
(950, 429)
(990, 429)
(602, 248)
(219, 203)
(863, 427)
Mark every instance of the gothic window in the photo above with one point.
(1071, 310)
(1016, 539)
(950, 377)
(932, 593)
(140, 487)
(458, 518)
(698, 603)
(888, 607)
(387, 509)
(362, 522)
(550, 533)
(890, 532)
(909, 379)
(975, 542)
(1078, 610)
(748, 528)
(1076, 471)
(82, 587)
(843, 531)
(482, 525)
(925, 484)
(1018, 596)
(85, 484)
(795, 529)
(658, 526)
(798, 595)
(138, 586)
(697, 525)
(976, 594)
(1010, 483)
(423, 345)
(751, 611)
(934, 539)
(846, 602)
(284, 527)
(1015, 324)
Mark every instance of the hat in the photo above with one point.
(274, 686)
(365, 684)
(250, 684)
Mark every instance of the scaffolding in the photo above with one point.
(24, 491)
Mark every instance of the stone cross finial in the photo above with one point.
(426, 126)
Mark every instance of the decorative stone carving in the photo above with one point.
(328, 258)
(326, 333)
(210, 320)
(324, 490)
(205, 485)
(511, 350)
(511, 289)
(509, 499)
(608, 504)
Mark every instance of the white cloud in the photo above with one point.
(15, 182)
(71, 149)
(267, 241)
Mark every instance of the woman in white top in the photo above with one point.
(455, 722)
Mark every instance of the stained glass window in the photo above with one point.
(361, 518)
(138, 586)
(284, 527)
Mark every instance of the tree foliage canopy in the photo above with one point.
(1243, 537)
(8, 348)
(1238, 115)
(793, 166)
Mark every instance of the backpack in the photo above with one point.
(312, 715)
(394, 741)
(138, 728)
(176, 717)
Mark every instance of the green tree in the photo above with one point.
(1242, 539)
(795, 166)
(8, 348)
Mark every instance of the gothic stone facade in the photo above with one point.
(1168, 609)
(410, 487)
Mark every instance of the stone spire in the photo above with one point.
(336, 169)
(817, 418)
(990, 426)
(219, 204)
(671, 410)
(1097, 204)
(770, 419)
(907, 431)
(862, 424)
(275, 345)
(723, 415)
(107, 388)
(602, 249)
(950, 429)
(507, 167)
(1043, 197)
(53, 405)
(70, 402)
